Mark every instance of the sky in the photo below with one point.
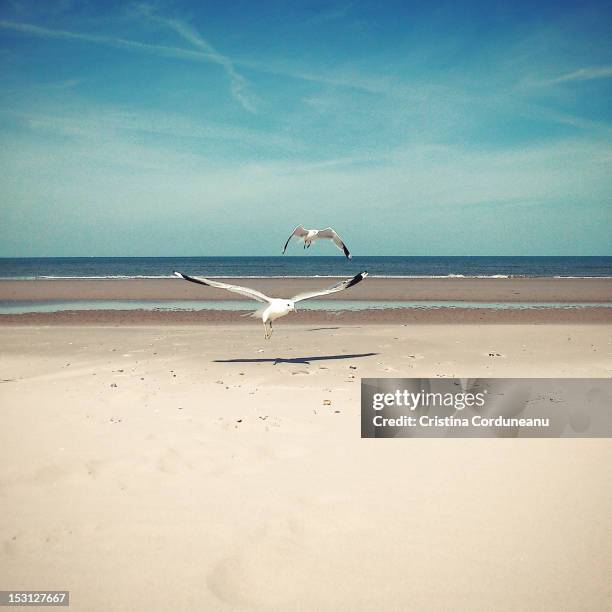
(214, 128)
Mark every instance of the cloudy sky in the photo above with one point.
(213, 128)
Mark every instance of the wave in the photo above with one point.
(293, 276)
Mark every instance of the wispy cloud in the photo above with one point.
(96, 123)
(238, 84)
(122, 43)
(457, 184)
(350, 80)
(588, 73)
(330, 14)
(541, 113)
(584, 74)
(205, 53)
(49, 86)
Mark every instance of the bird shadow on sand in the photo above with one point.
(302, 360)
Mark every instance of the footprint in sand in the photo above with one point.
(48, 475)
(170, 462)
(243, 579)
(9, 546)
(94, 467)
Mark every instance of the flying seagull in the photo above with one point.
(310, 235)
(274, 308)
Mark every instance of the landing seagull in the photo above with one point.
(310, 235)
(275, 307)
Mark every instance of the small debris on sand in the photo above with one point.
(327, 402)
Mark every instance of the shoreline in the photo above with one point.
(373, 288)
(398, 316)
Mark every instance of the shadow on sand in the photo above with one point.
(303, 360)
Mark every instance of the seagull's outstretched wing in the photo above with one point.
(299, 232)
(330, 233)
(345, 284)
(252, 293)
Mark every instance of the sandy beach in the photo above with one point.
(200, 467)
(390, 289)
(368, 317)
(491, 290)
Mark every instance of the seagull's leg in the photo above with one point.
(265, 329)
(270, 329)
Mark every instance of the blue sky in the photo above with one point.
(213, 128)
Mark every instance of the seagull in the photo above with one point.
(310, 235)
(274, 308)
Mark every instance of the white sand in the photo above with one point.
(221, 486)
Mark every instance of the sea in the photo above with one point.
(308, 265)
(279, 267)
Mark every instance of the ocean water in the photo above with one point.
(308, 265)
(21, 307)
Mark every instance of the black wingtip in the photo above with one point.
(357, 279)
(191, 279)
